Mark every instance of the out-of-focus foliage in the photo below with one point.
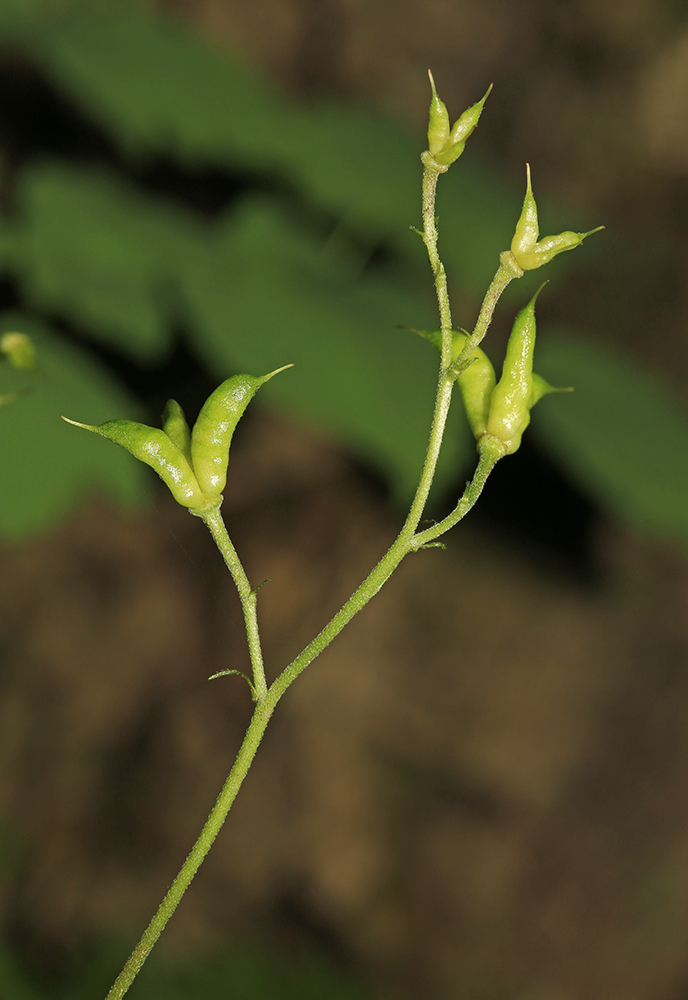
(43, 473)
(251, 970)
(84, 246)
(288, 271)
(620, 434)
(12, 982)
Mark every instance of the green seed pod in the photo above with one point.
(212, 432)
(511, 399)
(527, 251)
(152, 446)
(476, 384)
(175, 426)
(445, 145)
(438, 125)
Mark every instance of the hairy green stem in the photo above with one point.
(430, 176)
(216, 526)
(247, 752)
(445, 381)
(405, 543)
(508, 270)
(473, 490)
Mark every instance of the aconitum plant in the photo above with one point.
(193, 462)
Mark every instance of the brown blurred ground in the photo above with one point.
(481, 790)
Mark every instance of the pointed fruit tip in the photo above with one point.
(545, 282)
(87, 427)
(265, 378)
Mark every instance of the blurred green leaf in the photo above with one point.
(622, 435)
(250, 971)
(46, 468)
(90, 249)
(254, 969)
(159, 89)
(16, 15)
(477, 211)
(155, 86)
(12, 982)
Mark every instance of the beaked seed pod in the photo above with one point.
(438, 123)
(152, 446)
(476, 384)
(446, 145)
(530, 253)
(519, 389)
(175, 426)
(212, 433)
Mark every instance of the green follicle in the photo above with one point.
(438, 125)
(175, 426)
(528, 251)
(476, 383)
(445, 144)
(519, 389)
(193, 464)
(152, 446)
(499, 412)
(212, 433)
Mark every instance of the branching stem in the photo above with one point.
(408, 540)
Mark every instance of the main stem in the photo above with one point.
(407, 541)
(247, 752)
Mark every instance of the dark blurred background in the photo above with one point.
(481, 789)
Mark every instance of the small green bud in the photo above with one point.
(152, 446)
(19, 350)
(519, 389)
(527, 251)
(212, 432)
(175, 426)
(446, 145)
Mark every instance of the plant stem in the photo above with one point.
(247, 752)
(508, 270)
(473, 490)
(216, 526)
(430, 176)
(445, 380)
(407, 541)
